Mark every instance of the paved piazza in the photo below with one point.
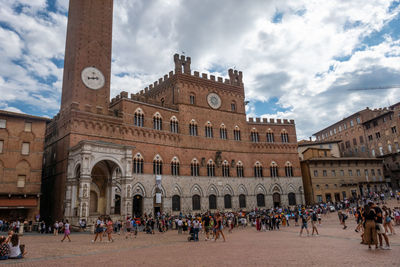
(334, 247)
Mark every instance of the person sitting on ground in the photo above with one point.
(15, 248)
(4, 248)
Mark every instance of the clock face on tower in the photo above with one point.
(92, 78)
(214, 100)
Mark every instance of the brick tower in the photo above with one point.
(87, 64)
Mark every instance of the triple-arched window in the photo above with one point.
(139, 118)
(194, 168)
(223, 132)
(193, 128)
(270, 136)
(284, 136)
(157, 121)
(236, 133)
(157, 165)
(288, 169)
(254, 136)
(274, 169)
(225, 169)
(258, 170)
(239, 169)
(210, 168)
(208, 130)
(138, 163)
(174, 124)
(175, 166)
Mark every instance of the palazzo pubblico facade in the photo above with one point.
(183, 144)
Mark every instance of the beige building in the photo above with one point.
(331, 179)
(21, 157)
(333, 146)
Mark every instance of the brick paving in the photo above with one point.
(334, 247)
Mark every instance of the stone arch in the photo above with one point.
(153, 191)
(228, 190)
(173, 118)
(260, 189)
(275, 188)
(108, 158)
(158, 157)
(157, 115)
(23, 167)
(291, 188)
(138, 189)
(212, 190)
(177, 190)
(242, 190)
(196, 190)
(94, 187)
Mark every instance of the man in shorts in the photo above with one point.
(314, 219)
(380, 230)
(304, 222)
(206, 222)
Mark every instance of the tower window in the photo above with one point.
(192, 100)
(139, 118)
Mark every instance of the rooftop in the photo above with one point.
(23, 115)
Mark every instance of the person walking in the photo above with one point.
(67, 231)
(304, 222)
(110, 230)
(314, 220)
(380, 229)
(218, 227)
(98, 230)
(370, 236)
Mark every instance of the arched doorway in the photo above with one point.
(276, 198)
(137, 206)
(228, 201)
(292, 199)
(157, 202)
(101, 187)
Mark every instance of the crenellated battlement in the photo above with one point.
(270, 121)
(140, 98)
(182, 66)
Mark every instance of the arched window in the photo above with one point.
(208, 130)
(260, 200)
(193, 128)
(210, 168)
(258, 170)
(139, 118)
(222, 132)
(162, 102)
(192, 99)
(239, 169)
(270, 136)
(233, 106)
(274, 169)
(242, 201)
(174, 124)
(175, 166)
(157, 121)
(212, 202)
(254, 136)
(288, 169)
(157, 165)
(176, 203)
(194, 168)
(228, 201)
(292, 199)
(236, 133)
(284, 136)
(225, 169)
(138, 163)
(196, 202)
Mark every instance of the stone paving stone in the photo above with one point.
(334, 247)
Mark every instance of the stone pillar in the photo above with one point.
(84, 196)
(126, 197)
(112, 195)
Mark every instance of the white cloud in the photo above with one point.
(295, 60)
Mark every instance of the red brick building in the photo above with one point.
(21, 157)
(183, 144)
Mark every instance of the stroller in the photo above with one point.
(191, 234)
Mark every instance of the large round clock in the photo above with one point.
(92, 78)
(214, 100)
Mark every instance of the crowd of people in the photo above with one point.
(375, 222)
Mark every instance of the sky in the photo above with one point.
(299, 58)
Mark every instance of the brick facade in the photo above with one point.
(21, 157)
(93, 153)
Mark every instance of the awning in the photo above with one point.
(18, 202)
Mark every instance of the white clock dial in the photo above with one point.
(92, 78)
(214, 100)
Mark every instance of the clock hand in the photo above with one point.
(93, 78)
